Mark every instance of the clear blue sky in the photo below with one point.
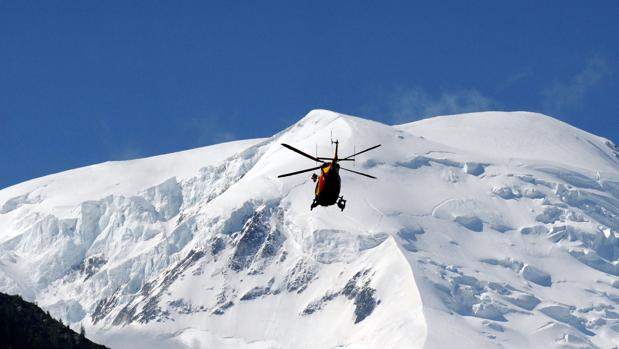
(83, 82)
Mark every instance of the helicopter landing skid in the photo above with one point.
(341, 203)
(314, 204)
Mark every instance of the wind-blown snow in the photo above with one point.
(483, 230)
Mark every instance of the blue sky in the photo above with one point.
(83, 82)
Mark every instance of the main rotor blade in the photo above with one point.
(321, 158)
(359, 173)
(363, 151)
(302, 153)
(297, 172)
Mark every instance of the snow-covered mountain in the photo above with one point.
(483, 230)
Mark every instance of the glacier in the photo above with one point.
(483, 230)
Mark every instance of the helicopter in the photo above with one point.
(328, 183)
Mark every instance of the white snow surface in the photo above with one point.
(483, 230)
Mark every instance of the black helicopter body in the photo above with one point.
(328, 183)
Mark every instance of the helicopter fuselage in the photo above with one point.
(328, 185)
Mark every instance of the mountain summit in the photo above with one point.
(483, 230)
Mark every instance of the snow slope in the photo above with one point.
(520, 135)
(483, 230)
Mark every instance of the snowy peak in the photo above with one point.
(520, 135)
(482, 228)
